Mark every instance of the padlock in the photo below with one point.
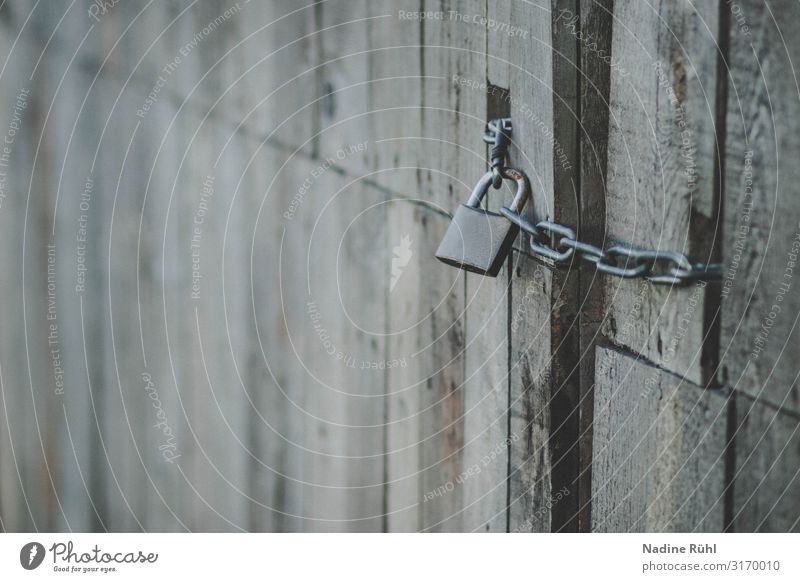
(477, 240)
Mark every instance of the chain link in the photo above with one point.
(558, 246)
(498, 133)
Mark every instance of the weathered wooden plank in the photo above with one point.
(596, 26)
(26, 496)
(36, 440)
(160, 193)
(532, 495)
(760, 306)
(564, 298)
(282, 106)
(661, 171)
(487, 302)
(454, 54)
(396, 151)
(343, 355)
(210, 312)
(344, 81)
(119, 395)
(405, 501)
(659, 444)
(265, 355)
(513, 59)
(762, 238)
(535, 61)
(344, 323)
(279, 92)
(766, 477)
(291, 342)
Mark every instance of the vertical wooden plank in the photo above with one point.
(343, 355)
(762, 238)
(74, 229)
(285, 87)
(658, 450)
(396, 153)
(532, 491)
(485, 462)
(48, 275)
(517, 481)
(454, 53)
(766, 479)
(278, 115)
(170, 507)
(210, 382)
(427, 393)
(280, 90)
(661, 172)
(344, 323)
(596, 26)
(536, 61)
(564, 299)
(25, 502)
(121, 408)
(294, 343)
(762, 241)
(282, 472)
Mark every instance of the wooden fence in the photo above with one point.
(219, 307)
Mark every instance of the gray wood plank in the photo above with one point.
(279, 92)
(537, 64)
(291, 340)
(485, 467)
(396, 151)
(532, 495)
(659, 444)
(766, 478)
(661, 165)
(27, 496)
(345, 322)
(342, 356)
(170, 504)
(121, 400)
(596, 24)
(760, 306)
(456, 115)
(208, 322)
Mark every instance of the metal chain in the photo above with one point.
(558, 246)
(498, 133)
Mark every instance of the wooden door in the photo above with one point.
(257, 191)
(695, 412)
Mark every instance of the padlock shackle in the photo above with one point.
(520, 198)
(480, 190)
(523, 188)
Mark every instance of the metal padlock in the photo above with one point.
(477, 240)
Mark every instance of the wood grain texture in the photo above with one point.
(346, 244)
(596, 24)
(26, 500)
(485, 460)
(659, 446)
(766, 479)
(396, 151)
(331, 375)
(538, 67)
(661, 168)
(760, 306)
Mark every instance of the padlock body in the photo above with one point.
(477, 241)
